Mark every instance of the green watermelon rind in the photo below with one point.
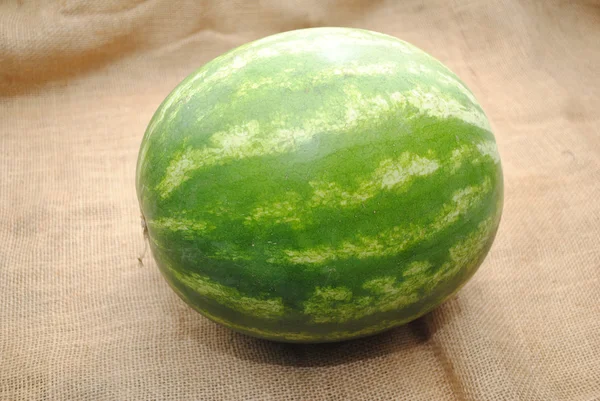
(296, 198)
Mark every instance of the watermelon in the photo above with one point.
(319, 185)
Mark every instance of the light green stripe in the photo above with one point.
(433, 102)
(249, 140)
(228, 296)
(465, 252)
(489, 149)
(340, 305)
(303, 336)
(391, 175)
(193, 227)
(392, 241)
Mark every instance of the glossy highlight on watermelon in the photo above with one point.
(319, 185)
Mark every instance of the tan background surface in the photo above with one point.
(80, 320)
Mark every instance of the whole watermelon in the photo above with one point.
(319, 185)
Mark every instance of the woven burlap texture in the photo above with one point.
(81, 320)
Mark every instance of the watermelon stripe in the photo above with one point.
(338, 304)
(395, 240)
(230, 297)
(246, 141)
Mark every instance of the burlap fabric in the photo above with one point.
(80, 320)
